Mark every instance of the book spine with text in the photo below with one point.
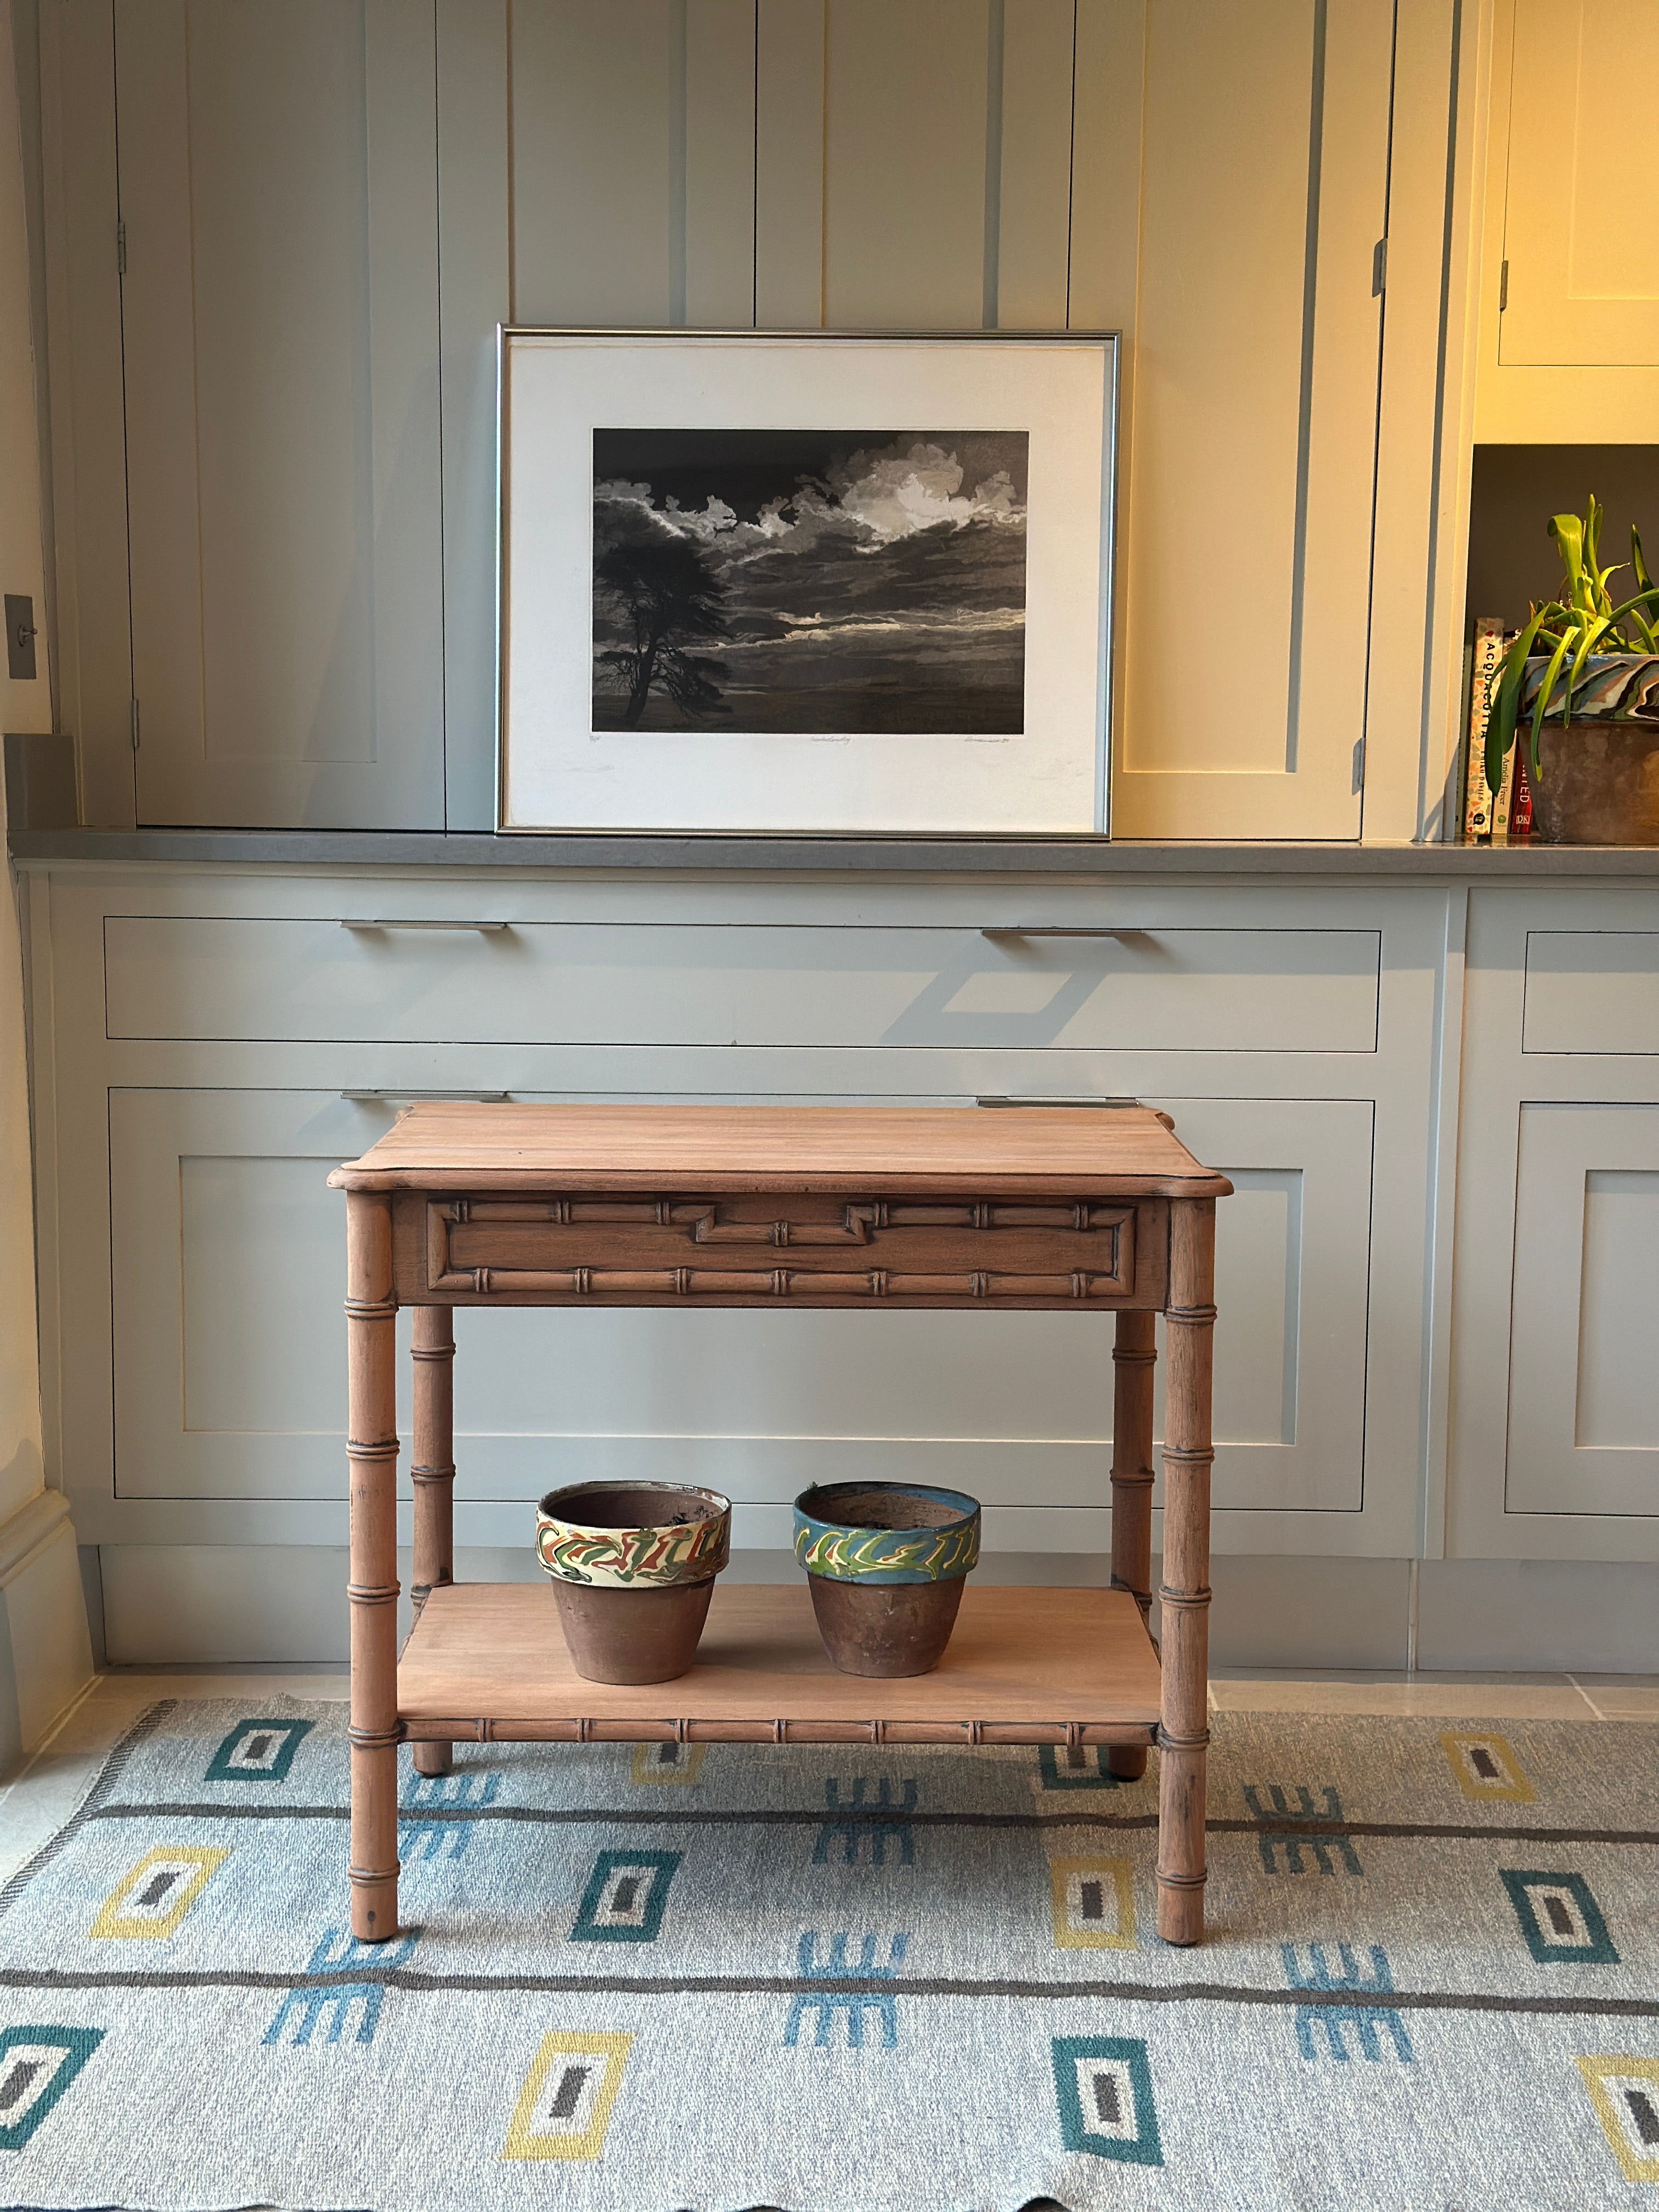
(1503, 797)
(1477, 801)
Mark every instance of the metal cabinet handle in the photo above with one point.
(1051, 929)
(393, 921)
(383, 1097)
(998, 1098)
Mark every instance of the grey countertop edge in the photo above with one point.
(599, 851)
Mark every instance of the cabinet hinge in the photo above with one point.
(1379, 267)
(120, 249)
(135, 724)
(1503, 288)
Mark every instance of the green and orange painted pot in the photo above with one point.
(632, 1567)
(885, 1562)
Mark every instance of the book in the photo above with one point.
(1521, 800)
(1477, 801)
(1502, 797)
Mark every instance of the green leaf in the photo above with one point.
(1592, 549)
(1648, 597)
(1544, 690)
(1506, 682)
(1644, 582)
(1586, 646)
(1568, 532)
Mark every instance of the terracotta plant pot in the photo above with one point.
(885, 1562)
(1600, 784)
(632, 1567)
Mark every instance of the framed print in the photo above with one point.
(775, 581)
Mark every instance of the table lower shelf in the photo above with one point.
(487, 1661)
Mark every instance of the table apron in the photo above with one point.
(824, 1250)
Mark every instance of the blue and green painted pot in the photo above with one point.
(880, 1534)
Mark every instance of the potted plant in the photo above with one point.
(1583, 674)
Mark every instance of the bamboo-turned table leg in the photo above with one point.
(1133, 1358)
(432, 1472)
(1184, 1736)
(371, 1454)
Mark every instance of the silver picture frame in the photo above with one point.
(1074, 514)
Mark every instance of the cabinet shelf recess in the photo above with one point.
(487, 1661)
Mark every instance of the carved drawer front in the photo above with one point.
(807, 1251)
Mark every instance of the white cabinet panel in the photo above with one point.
(1554, 1404)
(1591, 991)
(630, 151)
(913, 164)
(1568, 348)
(1292, 1282)
(278, 189)
(83, 357)
(728, 984)
(1618, 1376)
(227, 1257)
(1581, 243)
(1583, 1383)
(905, 218)
(1257, 350)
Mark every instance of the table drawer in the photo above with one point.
(799, 1250)
(1592, 990)
(576, 982)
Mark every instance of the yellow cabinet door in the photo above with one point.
(1580, 237)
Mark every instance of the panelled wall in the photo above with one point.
(280, 233)
(221, 1040)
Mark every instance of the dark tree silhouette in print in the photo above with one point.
(853, 582)
(669, 597)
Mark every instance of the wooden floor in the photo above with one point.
(1023, 1663)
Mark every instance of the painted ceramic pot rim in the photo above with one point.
(848, 1552)
(665, 1555)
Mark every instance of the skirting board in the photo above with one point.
(1588, 1616)
(202, 1604)
(46, 1655)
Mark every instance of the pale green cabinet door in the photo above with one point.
(277, 168)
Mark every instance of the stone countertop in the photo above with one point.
(594, 852)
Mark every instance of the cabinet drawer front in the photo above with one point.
(1592, 990)
(628, 1250)
(290, 980)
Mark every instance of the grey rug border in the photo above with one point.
(1312, 1827)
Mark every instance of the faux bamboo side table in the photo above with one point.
(892, 1208)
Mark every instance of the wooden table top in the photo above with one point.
(1063, 1151)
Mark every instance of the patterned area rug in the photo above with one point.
(843, 1981)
